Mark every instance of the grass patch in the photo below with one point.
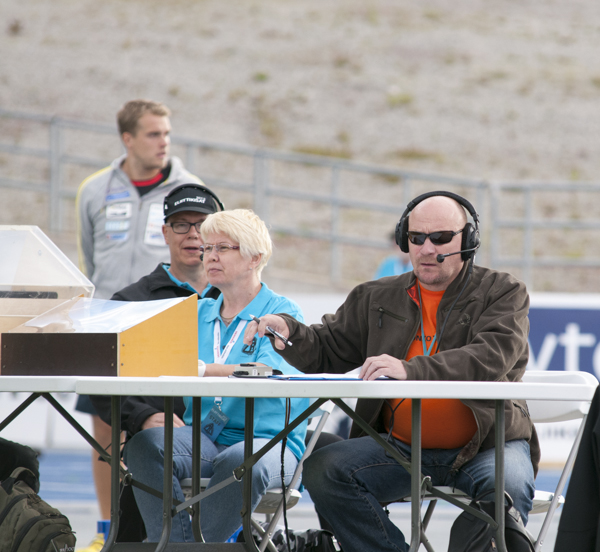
(432, 15)
(492, 76)
(399, 100)
(324, 151)
(416, 154)
(343, 137)
(270, 127)
(389, 178)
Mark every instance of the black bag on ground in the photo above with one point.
(471, 534)
(13, 456)
(27, 523)
(311, 540)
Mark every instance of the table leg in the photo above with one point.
(77, 426)
(247, 477)
(115, 472)
(167, 477)
(196, 464)
(415, 475)
(500, 436)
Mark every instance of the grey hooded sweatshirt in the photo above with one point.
(119, 233)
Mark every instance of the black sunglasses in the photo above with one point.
(437, 238)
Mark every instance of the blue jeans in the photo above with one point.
(349, 480)
(220, 512)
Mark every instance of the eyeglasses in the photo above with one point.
(437, 238)
(184, 227)
(219, 248)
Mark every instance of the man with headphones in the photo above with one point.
(445, 320)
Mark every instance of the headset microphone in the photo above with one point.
(440, 258)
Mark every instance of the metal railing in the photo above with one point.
(583, 220)
(342, 188)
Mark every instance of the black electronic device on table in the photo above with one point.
(250, 370)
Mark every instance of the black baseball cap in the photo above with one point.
(191, 197)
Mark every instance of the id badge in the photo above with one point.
(119, 211)
(153, 234)
(214, 423)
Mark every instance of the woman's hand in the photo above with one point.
(225, 370)
(219, 370)
(158, 420)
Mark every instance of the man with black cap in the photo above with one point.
(185, 208)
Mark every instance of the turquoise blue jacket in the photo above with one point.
(269, 414)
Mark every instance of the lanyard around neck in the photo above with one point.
(221, 357)
(426, 350)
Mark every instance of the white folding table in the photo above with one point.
(336, 390)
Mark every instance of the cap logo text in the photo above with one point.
(192, 199)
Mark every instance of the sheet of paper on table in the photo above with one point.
(350, 376)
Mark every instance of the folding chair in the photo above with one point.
(557, 411)
(271, 503)
(541, 411)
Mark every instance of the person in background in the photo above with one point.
(236, 248)
(120, 208)
(119, 221)
(447, 320)
(396, 264)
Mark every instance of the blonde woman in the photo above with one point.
(237, 247)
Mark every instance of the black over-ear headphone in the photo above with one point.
(194, 185)
(470, 235)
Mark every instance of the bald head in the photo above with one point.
(440, 208)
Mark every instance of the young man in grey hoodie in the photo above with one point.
(120, 207)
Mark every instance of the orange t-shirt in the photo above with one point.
(445, 423)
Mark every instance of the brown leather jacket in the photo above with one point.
(485, 339)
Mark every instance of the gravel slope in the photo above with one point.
(499, 89)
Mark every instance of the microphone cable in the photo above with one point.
(454, 303)
(288, 408)
(389, 439)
